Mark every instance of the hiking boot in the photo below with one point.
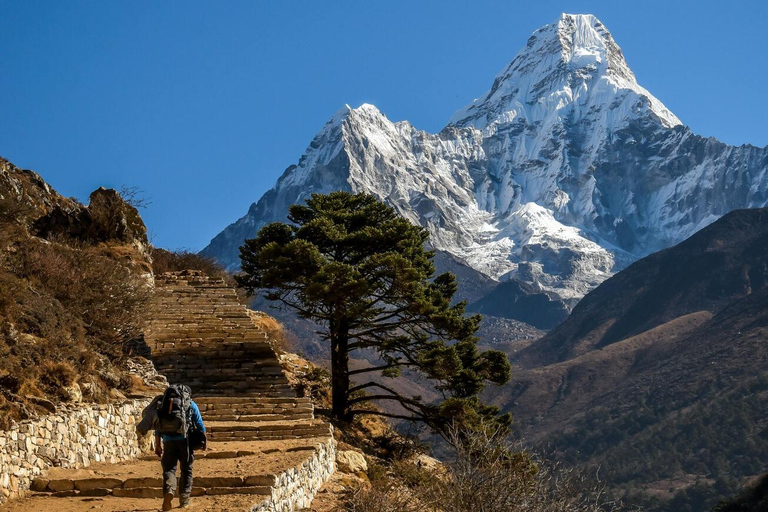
(184, 502)
(167, 499)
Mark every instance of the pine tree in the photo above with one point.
(358, 269)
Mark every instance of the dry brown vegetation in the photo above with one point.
(485, 474)
(175, 261)
(65, 312)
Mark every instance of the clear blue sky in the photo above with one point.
(204, 104)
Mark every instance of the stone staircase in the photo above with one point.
(267, 451)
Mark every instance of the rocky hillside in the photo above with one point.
(660, 374)
(73, 282)
(563, 172)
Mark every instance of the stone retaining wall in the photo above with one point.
(295, 488)
(71, 438)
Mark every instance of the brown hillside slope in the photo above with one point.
(721, 263)
(660, 375)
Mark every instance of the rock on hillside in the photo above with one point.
(25, 196)
(27, 200)
(520, 301)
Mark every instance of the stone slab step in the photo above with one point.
(258, 417)
(247, 392)
(215, 400)
(266, 430)
(156, 492)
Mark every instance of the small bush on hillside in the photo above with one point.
(275, 332)
(174, 261)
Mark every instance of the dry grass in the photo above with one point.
(486, 474)
(275, 332)
(175, 261)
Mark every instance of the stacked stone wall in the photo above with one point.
(295, 488)
(71, 438)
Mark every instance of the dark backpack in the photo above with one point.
(174, 410)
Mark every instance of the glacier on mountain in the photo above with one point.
(563, 172)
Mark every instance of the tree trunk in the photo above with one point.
(340, 371)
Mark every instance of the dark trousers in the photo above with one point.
(177, 452)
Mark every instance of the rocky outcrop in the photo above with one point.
(25, 196)
(108, 217)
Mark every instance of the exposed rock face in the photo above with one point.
(27, 200)
(107, 217)
(563, 172)
(25, 196)
(350, 461)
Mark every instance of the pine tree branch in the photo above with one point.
(379, 368)
(369, 398)
(388, 415)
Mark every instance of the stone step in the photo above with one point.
(204, 364)
(152, 487)
(226, 373)
(285, 392)
(235, 386)
(246, 410)
(216, 366)
(254, 338)
(258, 417)
(248, 376)
(266, 430)
(229, 400)
(197, 354)
(188, 345)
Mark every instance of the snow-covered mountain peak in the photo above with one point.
(569, 69)
(564, 171)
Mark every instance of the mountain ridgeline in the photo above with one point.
(564, 172)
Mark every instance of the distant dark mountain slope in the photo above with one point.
(472, 284)
(754, 498)
(520, 301)
(721, 263)
(660, 376)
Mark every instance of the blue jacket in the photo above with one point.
(194, 419)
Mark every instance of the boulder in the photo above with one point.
(72, 393)
(87, 484)
(61, 485)
(349, 461)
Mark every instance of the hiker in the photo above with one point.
(180, 428)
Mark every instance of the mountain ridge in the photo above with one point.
(564, 172)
